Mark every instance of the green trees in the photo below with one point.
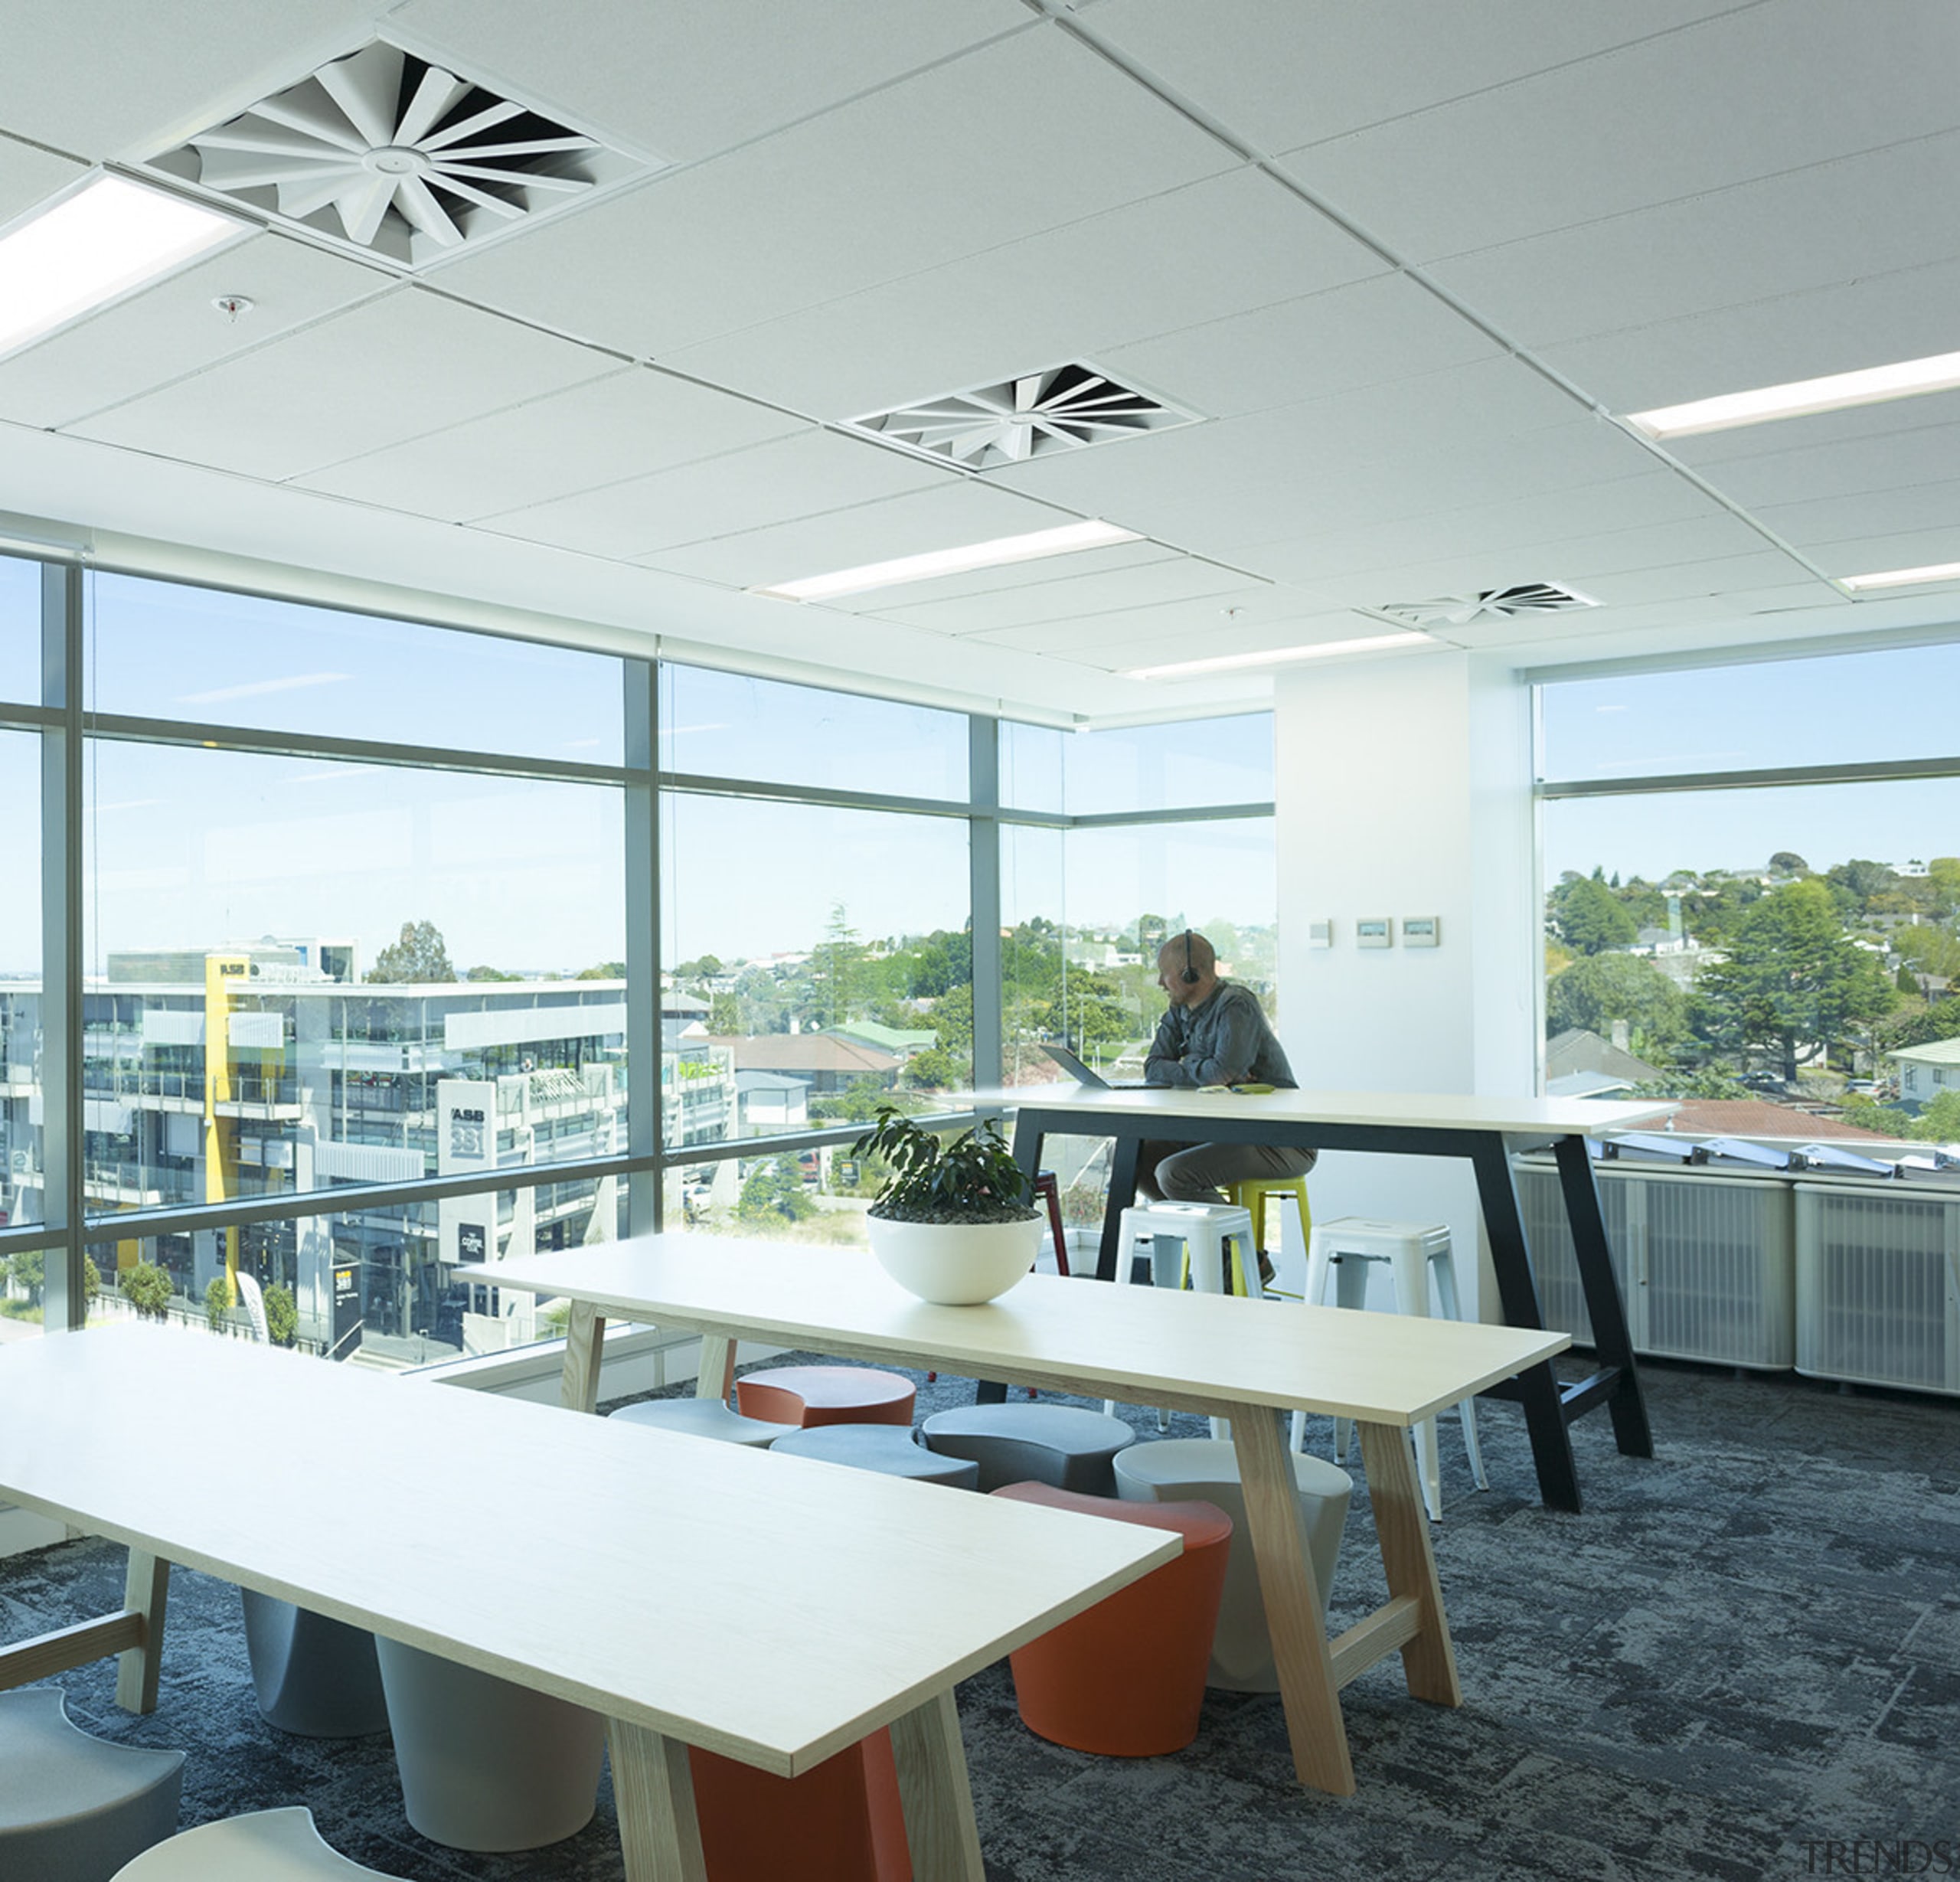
(1793, 983)
(1588, 916)
(146, 1287)
(1597, 989)
(281, 1315)
(217, 1303)
(28, 1271)
(773, 1192)
(419, 954)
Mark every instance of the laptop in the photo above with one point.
(1083, 1075)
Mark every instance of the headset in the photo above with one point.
(1190, 976)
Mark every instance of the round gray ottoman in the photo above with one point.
(314, 1676)
(1185, 1470)
(263, 1846)
(700, 1418)
(1063, 1446)
(885, 1448)
(486, 1764)
(73, 1808)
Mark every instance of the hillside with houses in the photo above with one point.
(1832, 992)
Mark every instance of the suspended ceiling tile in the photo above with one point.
(633, 422)
(1178, 578)
(28, 176)
(1283, 74)
(690, 77)
(1187, 256)
(1313, 347)
(1406, 422)
(962, 511)
(1931, 506)
(390, 369)
(107, 80)
(1906, 314)
(1684, 581)
(1787, 234)
(1757, 91)
(1501, 546)
(173, 328)
(874, 190)
(807, 475)
(1207, 625)
(1895, 461)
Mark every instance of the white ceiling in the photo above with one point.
(1406, 263)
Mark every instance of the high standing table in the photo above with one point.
(1486, 1131)
(638, 1572)
(1243, 1359)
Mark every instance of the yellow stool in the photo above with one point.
(1251, 1197)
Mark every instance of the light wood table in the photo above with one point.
(771, 1609)
(1484, 1131)
(1243, 1359)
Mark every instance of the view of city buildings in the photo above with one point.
(365, 977)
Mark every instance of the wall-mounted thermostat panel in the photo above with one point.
(1373, 931)
(1320, 934)
(1419, 931)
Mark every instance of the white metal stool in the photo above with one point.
(1414, 1251)
(1205, 1231)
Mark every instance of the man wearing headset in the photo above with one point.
(1213, 1033)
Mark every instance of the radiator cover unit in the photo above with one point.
(1878, 1288)
(1705, 1263)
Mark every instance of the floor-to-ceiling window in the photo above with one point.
(1114, 843)
(1751, 878)
(339, 953)
(23, 1256)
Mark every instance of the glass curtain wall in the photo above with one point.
(1751, 886)
(816, 903)
(23, 1259)
(381, 950)
(1144, 832)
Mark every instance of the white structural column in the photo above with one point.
(1404, 788)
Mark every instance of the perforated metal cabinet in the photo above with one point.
(1878, 1286)
(1706, 1263)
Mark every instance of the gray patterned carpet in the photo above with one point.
(1742, 1652)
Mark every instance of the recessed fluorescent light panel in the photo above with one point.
(1222, 663)
(1802, 398)
(1003, 549)
(89, 247)
(1903, 578)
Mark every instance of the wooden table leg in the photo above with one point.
(940, 1830)
(716, 1379)
(1402, 1527)
(653, 1790)
(1307, 1689)
(585, 1342)
(145, 1591)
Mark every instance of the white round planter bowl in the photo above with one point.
(956, 1264)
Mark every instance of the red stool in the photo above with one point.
(841, 1822)
(1050, 1192)
(826, 1395)
(1126, 1677)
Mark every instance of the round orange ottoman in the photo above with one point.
(841, 1822)
(1126, 1677)
(826, 1395)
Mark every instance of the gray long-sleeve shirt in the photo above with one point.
(1226, 1041)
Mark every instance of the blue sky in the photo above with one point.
(188, 849)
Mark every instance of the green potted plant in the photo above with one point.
(954, 1223)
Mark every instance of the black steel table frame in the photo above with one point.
(1549, 1406)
